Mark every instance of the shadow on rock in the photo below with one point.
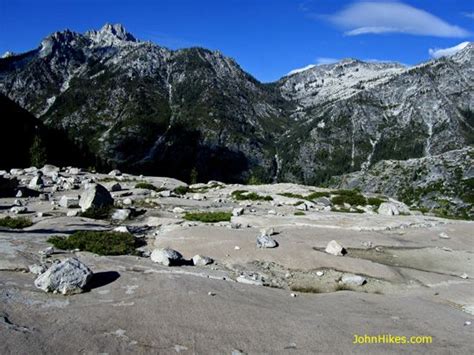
(100, 279)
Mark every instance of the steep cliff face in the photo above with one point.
(146, 109)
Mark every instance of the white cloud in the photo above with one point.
(444, 52)
(299, 70)
(325, 60)
(393, 17)
(469, 14)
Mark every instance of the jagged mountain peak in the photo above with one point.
(111, 34)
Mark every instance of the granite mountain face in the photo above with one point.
(148, 109)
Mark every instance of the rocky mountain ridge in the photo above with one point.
(195, 114)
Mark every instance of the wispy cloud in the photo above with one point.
(392, 17)
(326, 60)
(468, 14)
(445, 52)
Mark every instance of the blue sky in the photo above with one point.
(268, 38)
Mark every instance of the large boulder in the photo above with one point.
(37, 182)
(67, 277)
(50, 170)
(167, 256)
(95, 196)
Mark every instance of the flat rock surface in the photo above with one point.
(132, 305)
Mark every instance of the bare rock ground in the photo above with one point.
(287, 299)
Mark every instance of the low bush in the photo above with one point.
(181, 190)
(148, 186)
(241, 195)
(98, 212)
(375, 201)
(208, 217)
(98, 242)
(352, 197)
(299, 213)
(15, 222)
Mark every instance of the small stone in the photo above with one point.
(47, 251)
(72, 213)
(267, 231)
(444, 236)
(18, 209)
(265, 241)
(166, 256)
(319, 273)
(178, 210)
(115, 172)
(116, 187)
(237, 247)
(121, 229)
(199, 260)
(272, 212)
(37, 269)
(334, 248)
(199, 197)
(237, 211)
(121, 214)
(464, 276)
(127, 201)
(69, 202)
(235, 225)
(211, 293)
(293, 294)
(353, 280)
(468, 322)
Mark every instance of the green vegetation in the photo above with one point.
(15, 223)
(299, 213)
(148, 186)
(98, 242)
(352, 197)
(241, 195)
(375, 201)
(305, 289)
(181, 190)
(208, 217)
(97, 213)
(346, 210)
(38, 155)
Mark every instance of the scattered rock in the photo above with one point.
(37, 182)
(115, 172)
(235, 225)
(199, 197)
(95, 196)
(67, 277)
(353, 280)
(265, 241)
(199, 260)
(252, 279)
(72, 213)
(238, 211)
(444, 236)
(18, 209)
(127, 201)
(121, 214)
(50, 170)
(167, 256)
(69, 202)
(388, 209)
(319, 273)
(178, 210)
(47, 251)
(121, 229)
(37, 269)
(116, 187)
(464, 276)
(334, 248)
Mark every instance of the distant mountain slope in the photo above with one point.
(147, 109)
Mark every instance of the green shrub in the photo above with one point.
(97, 212)
(98, 242)
(299, 213)
(241, 195)
(38, 155)
(148, 186)
(375, 201)
(15, 223)
(351, 197)
(181, 190)
(305, 289)
(317, 194)
(208, 217)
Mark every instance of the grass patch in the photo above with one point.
(375, 201)
(351, 197)
(241, 195)
(97, 212)
(342, 287)
(15, 222)
(306, 289)
(148, 186)
(346, 210)
(312, 196)
(208, 217)
(101, 243)
(299, 213)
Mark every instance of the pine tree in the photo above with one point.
(38, 155)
